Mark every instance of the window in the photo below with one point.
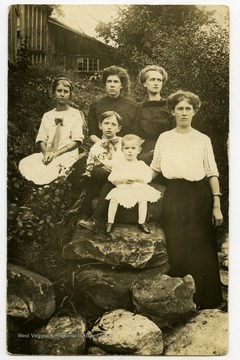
(86, 64)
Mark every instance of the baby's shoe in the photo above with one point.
(144, 227)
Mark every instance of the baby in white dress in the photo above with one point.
(131, 177)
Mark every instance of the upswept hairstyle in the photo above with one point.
(130, 137)
(65, 81)
(143, 73)
(118, 71)
(107, 114)
(180, 95)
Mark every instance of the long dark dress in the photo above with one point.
(190, 238)
(187, 160)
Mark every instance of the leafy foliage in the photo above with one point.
(137, 28)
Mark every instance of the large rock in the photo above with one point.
(123, 332)
(224, 253)
(28, 294)
(18, 335)
(126, 246)
(95, 350)
(224, 277)
(106, 288)
(163, 299)
(205, 334)
(61, 336)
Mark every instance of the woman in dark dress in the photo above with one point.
(116, 80)
(191, 203)
(153, 116)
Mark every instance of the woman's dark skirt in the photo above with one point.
(190, 238)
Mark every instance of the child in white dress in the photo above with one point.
(131, 178)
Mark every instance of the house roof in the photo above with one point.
(80, 33)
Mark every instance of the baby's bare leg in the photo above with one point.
(112, 209)
(142, 211)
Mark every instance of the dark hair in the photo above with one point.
(65, 81)
(119, 72)
(143, 73)
(107, 114)
(130, 137)
(180, 95)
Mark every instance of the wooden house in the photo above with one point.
(48, 41)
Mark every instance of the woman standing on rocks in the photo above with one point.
(191, 204)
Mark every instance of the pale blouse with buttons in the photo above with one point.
(186, 156)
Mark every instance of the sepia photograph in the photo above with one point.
(118, 156)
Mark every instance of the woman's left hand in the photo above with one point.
(217, 217)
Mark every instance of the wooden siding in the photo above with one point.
(66, 46)
(32, 21)
(50, 41)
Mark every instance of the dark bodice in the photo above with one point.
(153, 118)
(124, 106)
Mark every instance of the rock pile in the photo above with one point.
(122, 282)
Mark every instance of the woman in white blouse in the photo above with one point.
(191, 204)
(59, 136)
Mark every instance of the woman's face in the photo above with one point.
(154, 82)
(62, 94)
(113, 86)
(183, 113)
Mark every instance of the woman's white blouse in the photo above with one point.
(72, 128)
(184, 156)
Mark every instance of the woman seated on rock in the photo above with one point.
(59, 136)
